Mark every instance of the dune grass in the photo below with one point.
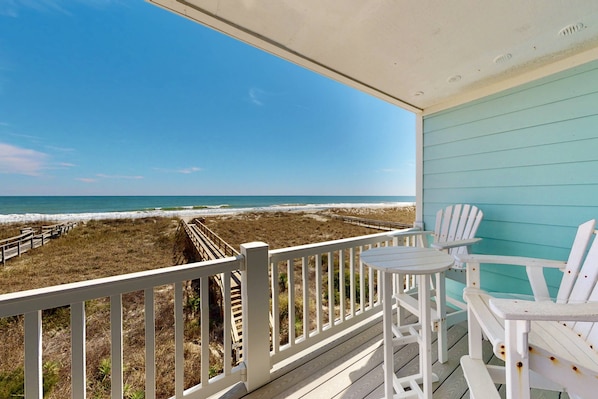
(111, 247)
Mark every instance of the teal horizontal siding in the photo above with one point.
(528, 157)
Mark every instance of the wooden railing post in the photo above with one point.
(256, 310)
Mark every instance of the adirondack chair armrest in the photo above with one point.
(511, 260)
(533, 267)
(455, 244)
(515, 309)
(412, 231)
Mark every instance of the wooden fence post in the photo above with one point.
(256, 311)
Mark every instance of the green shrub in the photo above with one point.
(12, 383)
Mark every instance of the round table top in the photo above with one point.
(412, 260)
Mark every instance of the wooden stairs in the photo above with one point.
(209, 247)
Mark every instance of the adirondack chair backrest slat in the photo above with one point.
(457, 222)
(575, 261)
(461, 230)
(585, 289)
(443, 222)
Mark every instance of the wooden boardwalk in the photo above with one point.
(383, 225)
(30, 239)
(210, 246)
(352, 369)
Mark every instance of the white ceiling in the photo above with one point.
(419, 54)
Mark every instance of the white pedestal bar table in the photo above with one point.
(422, 262)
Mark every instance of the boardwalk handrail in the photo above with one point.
(201, 237)
(226, 249)
(29, 239)
(15, 239)
(373, 223)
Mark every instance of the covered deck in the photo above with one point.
(351, 368)
(315, 353)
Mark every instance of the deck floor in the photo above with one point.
(353, 370)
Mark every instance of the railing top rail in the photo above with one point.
(20, 237)
(326, 246)
(221, 242)
(61, 295)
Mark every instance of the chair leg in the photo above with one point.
(442, 325)
(474, 336)
(517, 359)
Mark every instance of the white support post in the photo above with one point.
(33, 355)
(256, 308)
(419, 170)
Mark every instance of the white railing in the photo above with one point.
(30, 304)
(321, 289)
(320, 301)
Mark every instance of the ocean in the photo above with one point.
(77, 208)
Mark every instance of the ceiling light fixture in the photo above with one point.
(418, 93)
(572, 29)
(454, 79)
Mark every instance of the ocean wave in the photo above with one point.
(184, 212)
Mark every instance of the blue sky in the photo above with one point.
(119, 97)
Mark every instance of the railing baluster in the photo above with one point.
(116, 351)
(371, 289)
(179, 340)
(352, 281)
(227, 323)
(291, 273)
(319, 302)
(204, 303)
(330, 290)
(275, 308)
(33, 355)
(361, 284)
(78, 356)
(341, 279)
(304, 275)
(150, 344)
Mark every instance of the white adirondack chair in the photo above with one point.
(545, 344)
(454, 232)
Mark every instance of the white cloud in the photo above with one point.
(22, 161)
(189, 170)
(184, 171)
(103, 176)
(86, 179)
(12, 8)
(255, 95)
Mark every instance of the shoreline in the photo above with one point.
(188, 213)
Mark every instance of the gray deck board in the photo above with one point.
(353, 370)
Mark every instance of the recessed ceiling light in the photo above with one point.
(571, 29)
(503, 58)
(418, 93)
(454, 78)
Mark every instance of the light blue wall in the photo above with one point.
(528, 157)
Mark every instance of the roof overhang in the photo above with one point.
(424, 55)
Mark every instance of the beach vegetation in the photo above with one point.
(102, 248)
